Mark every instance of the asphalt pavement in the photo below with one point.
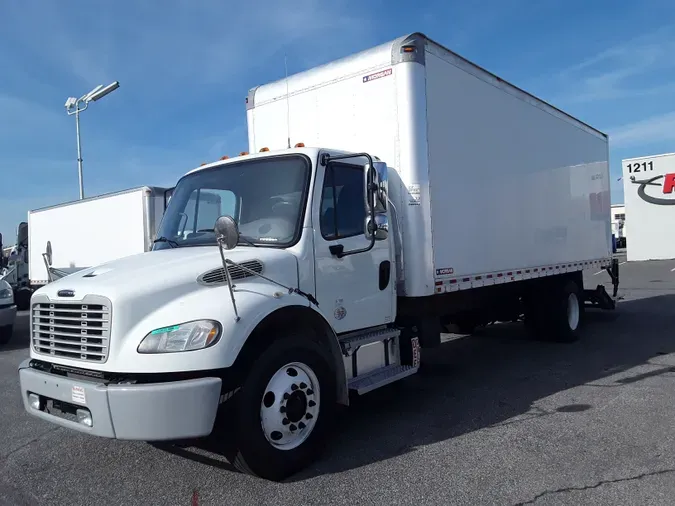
(491, 419)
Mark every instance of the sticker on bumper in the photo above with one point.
(78, 395)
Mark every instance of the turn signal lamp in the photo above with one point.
(243, 153)
(300, 145)
(262, 150)
(224, 157)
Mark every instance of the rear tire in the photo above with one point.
(557, 316)
(6, 334)
(22, 299)
(284, 409)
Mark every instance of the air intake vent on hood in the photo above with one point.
(217, 276)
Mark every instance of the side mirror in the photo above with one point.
(381, 228)
(227, 232)
(377, 186)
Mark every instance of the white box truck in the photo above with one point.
(72, 236)
(326, 268)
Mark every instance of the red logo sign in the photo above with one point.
(667, 188)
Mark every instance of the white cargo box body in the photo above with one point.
(495, 184)
(649, 196)
(89, 232)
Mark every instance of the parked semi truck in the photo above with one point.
(15, 269)
(433, 193)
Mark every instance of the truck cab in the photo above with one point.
(272, 304)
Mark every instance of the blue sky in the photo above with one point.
(185, 67)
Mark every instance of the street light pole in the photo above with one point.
(79, 153)
(74, 106)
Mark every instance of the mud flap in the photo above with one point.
(599, 298)
(613, 271)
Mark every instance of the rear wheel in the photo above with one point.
(284, 409)
(6, 334)
(556, 314)
(22, 299)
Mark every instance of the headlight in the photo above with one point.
(184, 337)
(6, 293)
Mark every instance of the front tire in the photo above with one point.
(284, 409)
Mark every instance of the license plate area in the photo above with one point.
(60, 409)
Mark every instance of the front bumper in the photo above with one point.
(7, 315)
(147, 412)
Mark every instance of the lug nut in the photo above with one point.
(309, 416)
(285, 421)
(301, 425)
(311, 404)
(282, 409)
(310, 391)
(303, 385)
(294, 387)
(293, 428)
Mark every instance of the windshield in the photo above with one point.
(265, 197)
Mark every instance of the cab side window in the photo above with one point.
(343, 210)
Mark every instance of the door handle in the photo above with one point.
(336, 250)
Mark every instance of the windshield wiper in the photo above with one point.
(242, 238)
(248, 241)
(171, 243)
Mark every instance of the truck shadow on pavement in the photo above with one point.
(489, 380)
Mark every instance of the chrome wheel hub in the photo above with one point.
(290, 406)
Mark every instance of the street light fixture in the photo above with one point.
(74, 106)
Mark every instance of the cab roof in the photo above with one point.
(312, 153)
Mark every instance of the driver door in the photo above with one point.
(355, 291)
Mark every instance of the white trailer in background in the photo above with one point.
(619, 224)
(434, 193)
(649, 196)
(92, 231)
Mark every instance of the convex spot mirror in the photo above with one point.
(381, 227)
(227, 232)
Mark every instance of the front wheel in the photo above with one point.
(284, 409)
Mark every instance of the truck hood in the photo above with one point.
(163, 288)
(168, 271)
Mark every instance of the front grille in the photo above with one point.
(73, 330)
(217, 276)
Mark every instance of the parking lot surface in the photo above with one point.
(490, 419)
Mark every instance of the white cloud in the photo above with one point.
(660, 128)
(634, 68)
(183, 43)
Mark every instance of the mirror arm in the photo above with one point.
(308, 296)
(229, 281)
